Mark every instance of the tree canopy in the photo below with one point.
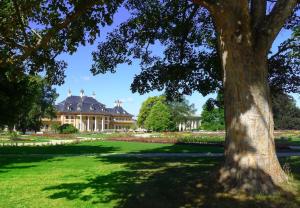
(179, 111)
(159, 118)
(35, 32)
(189, 42)
(146, 108)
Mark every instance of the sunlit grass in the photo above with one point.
(125, 182)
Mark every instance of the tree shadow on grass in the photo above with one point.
(185, 148)
(16, 155)
(163, 183)
(59, 149)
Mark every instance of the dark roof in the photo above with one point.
(85, 104)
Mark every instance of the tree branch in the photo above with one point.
(276, 19)
(208, 4)
(283, 48)
(63, 24)
(258, 12)
(20, 19)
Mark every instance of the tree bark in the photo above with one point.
(251, 163)
(244, 40)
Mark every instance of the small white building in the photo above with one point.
(190, 123)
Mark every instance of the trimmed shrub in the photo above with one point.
(67, 129)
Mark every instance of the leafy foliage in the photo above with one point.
(190, 59)
(35, 32)
(159, 118)
(212, 118)
(286, 113)
(24, 100)
(179, 110)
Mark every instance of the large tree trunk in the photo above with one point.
(251, 163)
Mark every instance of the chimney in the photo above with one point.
(118, 103)
(81, 93)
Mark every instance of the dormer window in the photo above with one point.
(69, 108)
(92, 107)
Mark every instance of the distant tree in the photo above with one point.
(41, 99)
(159, 118)
(212, 118)
(286, 113)
(180, 110)
(146, 108)
(25, 100)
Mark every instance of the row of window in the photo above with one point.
(121, 127)
(122, 119)
(73, 117)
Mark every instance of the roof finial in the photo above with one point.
(94, 95)
(118, 103)
(81, 93)
(69, 93)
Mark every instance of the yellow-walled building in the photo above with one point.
(88, 114)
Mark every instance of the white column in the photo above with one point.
(88, 123)
(179, 127)
(102, 124)
(80, 123)
(95, 129)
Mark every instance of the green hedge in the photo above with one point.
(67, 129)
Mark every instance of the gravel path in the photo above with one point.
(140, 155)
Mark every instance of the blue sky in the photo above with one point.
(110, 87)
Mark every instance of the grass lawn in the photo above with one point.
(86, 182)
(109, 147)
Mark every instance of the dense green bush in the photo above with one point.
(159, 118)
(55, 127)
(212, 119)
(201, 139)
(67, 129)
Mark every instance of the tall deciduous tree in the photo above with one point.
(244, 32)
(40, 99)
(146, 108)
(181, 110)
